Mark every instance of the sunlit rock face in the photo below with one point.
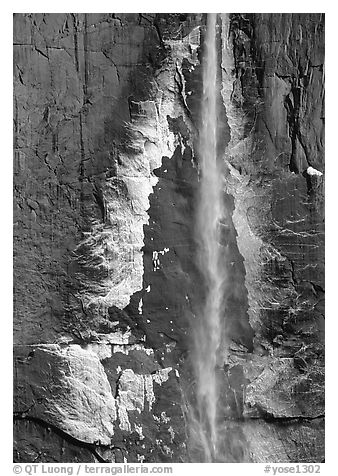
(273, 77)
(106, 278)
(101, 131)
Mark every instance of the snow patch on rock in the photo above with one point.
(313, 172)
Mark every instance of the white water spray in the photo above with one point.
(207, 333)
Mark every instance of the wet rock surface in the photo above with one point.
(106, 282)
(276, 173)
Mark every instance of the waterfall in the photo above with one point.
(208, 327)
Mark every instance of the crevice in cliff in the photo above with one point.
(41, 52)
(317, 290)
(268, 417)
(99, 198)
(268, 129)
(117, 385)
(76, 46)
(85, 57)
(113, 63)
(82, 168)
(292, 106)
(293, 274)
(180, 82)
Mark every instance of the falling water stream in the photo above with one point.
(208, 328)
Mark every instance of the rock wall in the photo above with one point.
(106, 282)
(274, 65)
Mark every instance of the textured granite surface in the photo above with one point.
(106, 283)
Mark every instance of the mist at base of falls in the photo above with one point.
(209, 346)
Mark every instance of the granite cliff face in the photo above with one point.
(106, 283)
